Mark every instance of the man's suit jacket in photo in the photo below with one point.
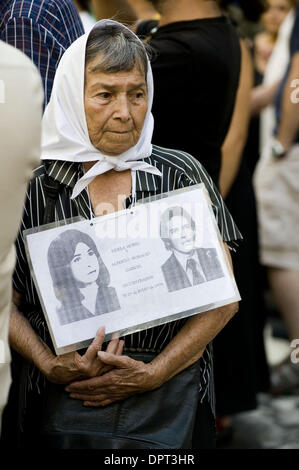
(176, 277)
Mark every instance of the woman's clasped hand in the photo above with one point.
(72, 366)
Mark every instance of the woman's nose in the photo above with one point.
(122, 111)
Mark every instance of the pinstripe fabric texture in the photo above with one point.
(43, 30)
(179, 170)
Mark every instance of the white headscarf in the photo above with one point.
(64, 129)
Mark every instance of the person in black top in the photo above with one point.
(197, 61)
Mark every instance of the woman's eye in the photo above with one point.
(76, 260)
(91, 253)
(104, 95)
(137, 96)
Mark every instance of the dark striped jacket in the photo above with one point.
(179, 170)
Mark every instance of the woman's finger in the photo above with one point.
(120, 347)
(113, 346)
(96, 344)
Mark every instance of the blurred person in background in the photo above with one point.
(239, 377)
(271, 57)
(271, 19)
(21, 99)
(277, 189)
(88, 20)
(43, 30)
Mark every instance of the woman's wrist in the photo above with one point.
(44, 360)
(156, 376)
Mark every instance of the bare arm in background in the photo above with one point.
(289, 125)
(235, 141)
(262, 96)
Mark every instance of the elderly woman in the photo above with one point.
(97, 134)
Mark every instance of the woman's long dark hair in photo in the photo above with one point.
(60, 254)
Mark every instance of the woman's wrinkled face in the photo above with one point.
(275, 14)
(115, 108)
(85, 264)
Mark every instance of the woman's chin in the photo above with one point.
(116, 147)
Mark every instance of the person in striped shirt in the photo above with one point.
(97, 134)
(43, 30)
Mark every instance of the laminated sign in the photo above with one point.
(159, 261)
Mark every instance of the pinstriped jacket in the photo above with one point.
(178, 170)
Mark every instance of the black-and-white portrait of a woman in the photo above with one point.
(81, 281)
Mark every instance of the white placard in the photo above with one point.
(160, 261)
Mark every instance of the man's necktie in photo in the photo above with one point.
(197, 277)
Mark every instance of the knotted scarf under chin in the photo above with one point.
(112, 163)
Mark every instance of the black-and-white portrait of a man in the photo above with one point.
(80, 278)
(187, 265)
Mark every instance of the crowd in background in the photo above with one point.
(232, 110)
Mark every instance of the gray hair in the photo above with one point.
(120, 49)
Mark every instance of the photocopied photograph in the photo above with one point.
(81, 281)
(187, 265)
(157, 262)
